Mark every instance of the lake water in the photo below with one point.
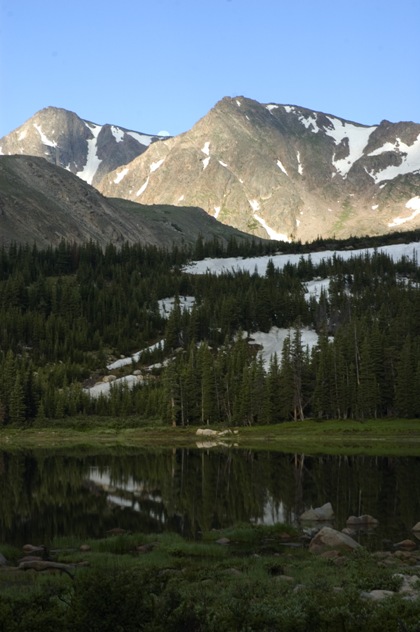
(44, 494)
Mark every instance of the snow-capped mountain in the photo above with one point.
(283, 172)
(86, 149)
(274, 171)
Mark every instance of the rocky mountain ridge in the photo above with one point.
(274, 171)
(43, 204)
(284, 172)
(86, 149)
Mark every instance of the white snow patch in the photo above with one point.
(120, 175)
(206, 162)
(414, 205)
(1, 151)
(104, 388)
(44, 139)
(309, 122)
(143, 187)
(273, 341)
(206, 148)
(410, 159)
(255, 205)
(216, 211)
(314, 287)
(222, 163)
(166, 305)
(22, 135)
(300, 167)
(259, 264)
(357, 136)
(181, 197)
(374, 207)
(143, 139)
(92, 161)
(238, 103)
(271, 106)
(280, 166)
(117, 133)
(271, 233)
(155, 165)
(133, 358)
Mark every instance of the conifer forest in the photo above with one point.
(67, 312)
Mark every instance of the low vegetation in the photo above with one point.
(244, 578)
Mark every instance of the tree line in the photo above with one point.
(66, 312)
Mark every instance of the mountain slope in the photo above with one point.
(82, 147)
(283, 172)
(43, 204)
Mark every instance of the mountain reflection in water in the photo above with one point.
(45, 494)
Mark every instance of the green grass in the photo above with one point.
(390, 437)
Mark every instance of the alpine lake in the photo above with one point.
(86, 491)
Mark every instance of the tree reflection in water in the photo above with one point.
(44, 494)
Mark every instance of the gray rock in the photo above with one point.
(365, 519)
(416, 527)
(329, 538)
(377, 595)
(319, 513)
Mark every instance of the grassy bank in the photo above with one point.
(390, 437)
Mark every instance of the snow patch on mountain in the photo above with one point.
(310, 122)
(280, 166)
(117, 133)
(410, 160)
(206, 148)
(44, 139)
(206, 162)
(144, 139)
(143, 187)
(300, 166)
(92, 161)
(121, 175)
(271, 106)
(414, 205)
(270, 232)
(216, 211)
(155, 165)
(357, 137)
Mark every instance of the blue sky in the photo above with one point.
(154, 65)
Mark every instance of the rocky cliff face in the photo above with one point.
(283, 172)
(86, 149)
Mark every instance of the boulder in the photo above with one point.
(319, 513)
(328, 538)
(416, 527)
(377, 595)
(206, 432)
(405, 545)
(364, 520)
(109, 378)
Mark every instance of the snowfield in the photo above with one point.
(272, 342)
